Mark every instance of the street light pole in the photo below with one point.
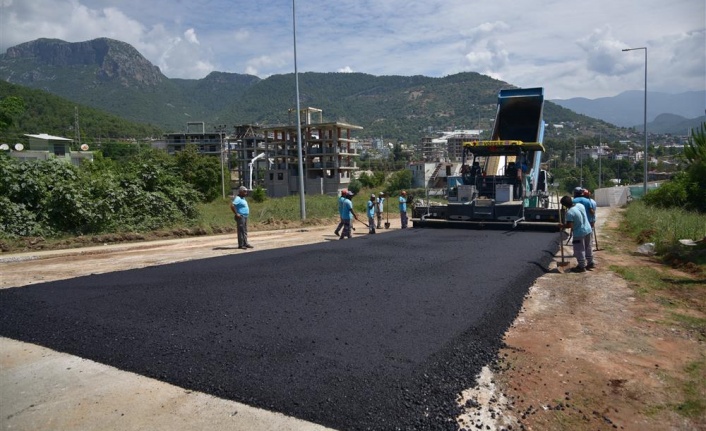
(302, 201)
(600, 168)
(644, 188)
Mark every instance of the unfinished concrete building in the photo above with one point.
(209, 143)
(328, 148)
(246, 156)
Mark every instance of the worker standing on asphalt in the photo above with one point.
(577, 221)
(372, 208)
(379, 208)
(403, 209)
(346, 213)
(240, 208)
(341, 199)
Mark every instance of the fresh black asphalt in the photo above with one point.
(380, 332)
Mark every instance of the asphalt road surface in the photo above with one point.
(380, 332)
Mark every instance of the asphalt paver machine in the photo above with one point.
(502, 183)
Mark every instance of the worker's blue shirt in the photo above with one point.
(341, 202)
(371, 209)
(592, 217)
(577, 215)
(347, 208)
(241, 206)
(589, 205)
(403, 204)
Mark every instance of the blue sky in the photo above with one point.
(571, 48)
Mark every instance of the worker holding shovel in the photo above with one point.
(372, 207)
(577, 221)
(379, 208)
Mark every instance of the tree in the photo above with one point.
(400, 180)
(202, 172)
(687, 189)
(10, 108)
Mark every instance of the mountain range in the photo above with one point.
(666, 113)
(113, 76)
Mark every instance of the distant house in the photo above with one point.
(44, 147)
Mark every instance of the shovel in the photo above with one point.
(387, 211)
(362, 222)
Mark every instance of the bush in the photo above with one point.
(51, 197)
(258, 195)
(355, 186)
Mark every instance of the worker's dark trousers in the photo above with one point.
(242, 223)
(403, 219)
(346, 229)
(583, 250)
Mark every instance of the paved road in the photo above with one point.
(380, 332)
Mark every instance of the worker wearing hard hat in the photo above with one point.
(591, 215)
(371, 208)
(403, 209)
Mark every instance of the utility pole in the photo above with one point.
(574, 152)
(221, 129)
(77, 131)
(600, 168)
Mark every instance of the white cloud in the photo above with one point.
(571, 48)
(346, 69)
(190, 36)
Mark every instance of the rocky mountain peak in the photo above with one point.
(115, 60)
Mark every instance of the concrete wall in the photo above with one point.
(612, 196)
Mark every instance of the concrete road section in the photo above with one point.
(381, 332)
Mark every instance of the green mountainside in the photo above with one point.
(54, 115)
(112, 76)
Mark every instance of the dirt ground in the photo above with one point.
(588, 353)
(585, 353)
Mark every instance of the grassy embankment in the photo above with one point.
(216, 217)
(679, 297)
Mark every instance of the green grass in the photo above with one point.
(319, 209)
(680, 298)
(665, 227)
(644, 279)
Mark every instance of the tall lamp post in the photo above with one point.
(644, 188)
(302, 201)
